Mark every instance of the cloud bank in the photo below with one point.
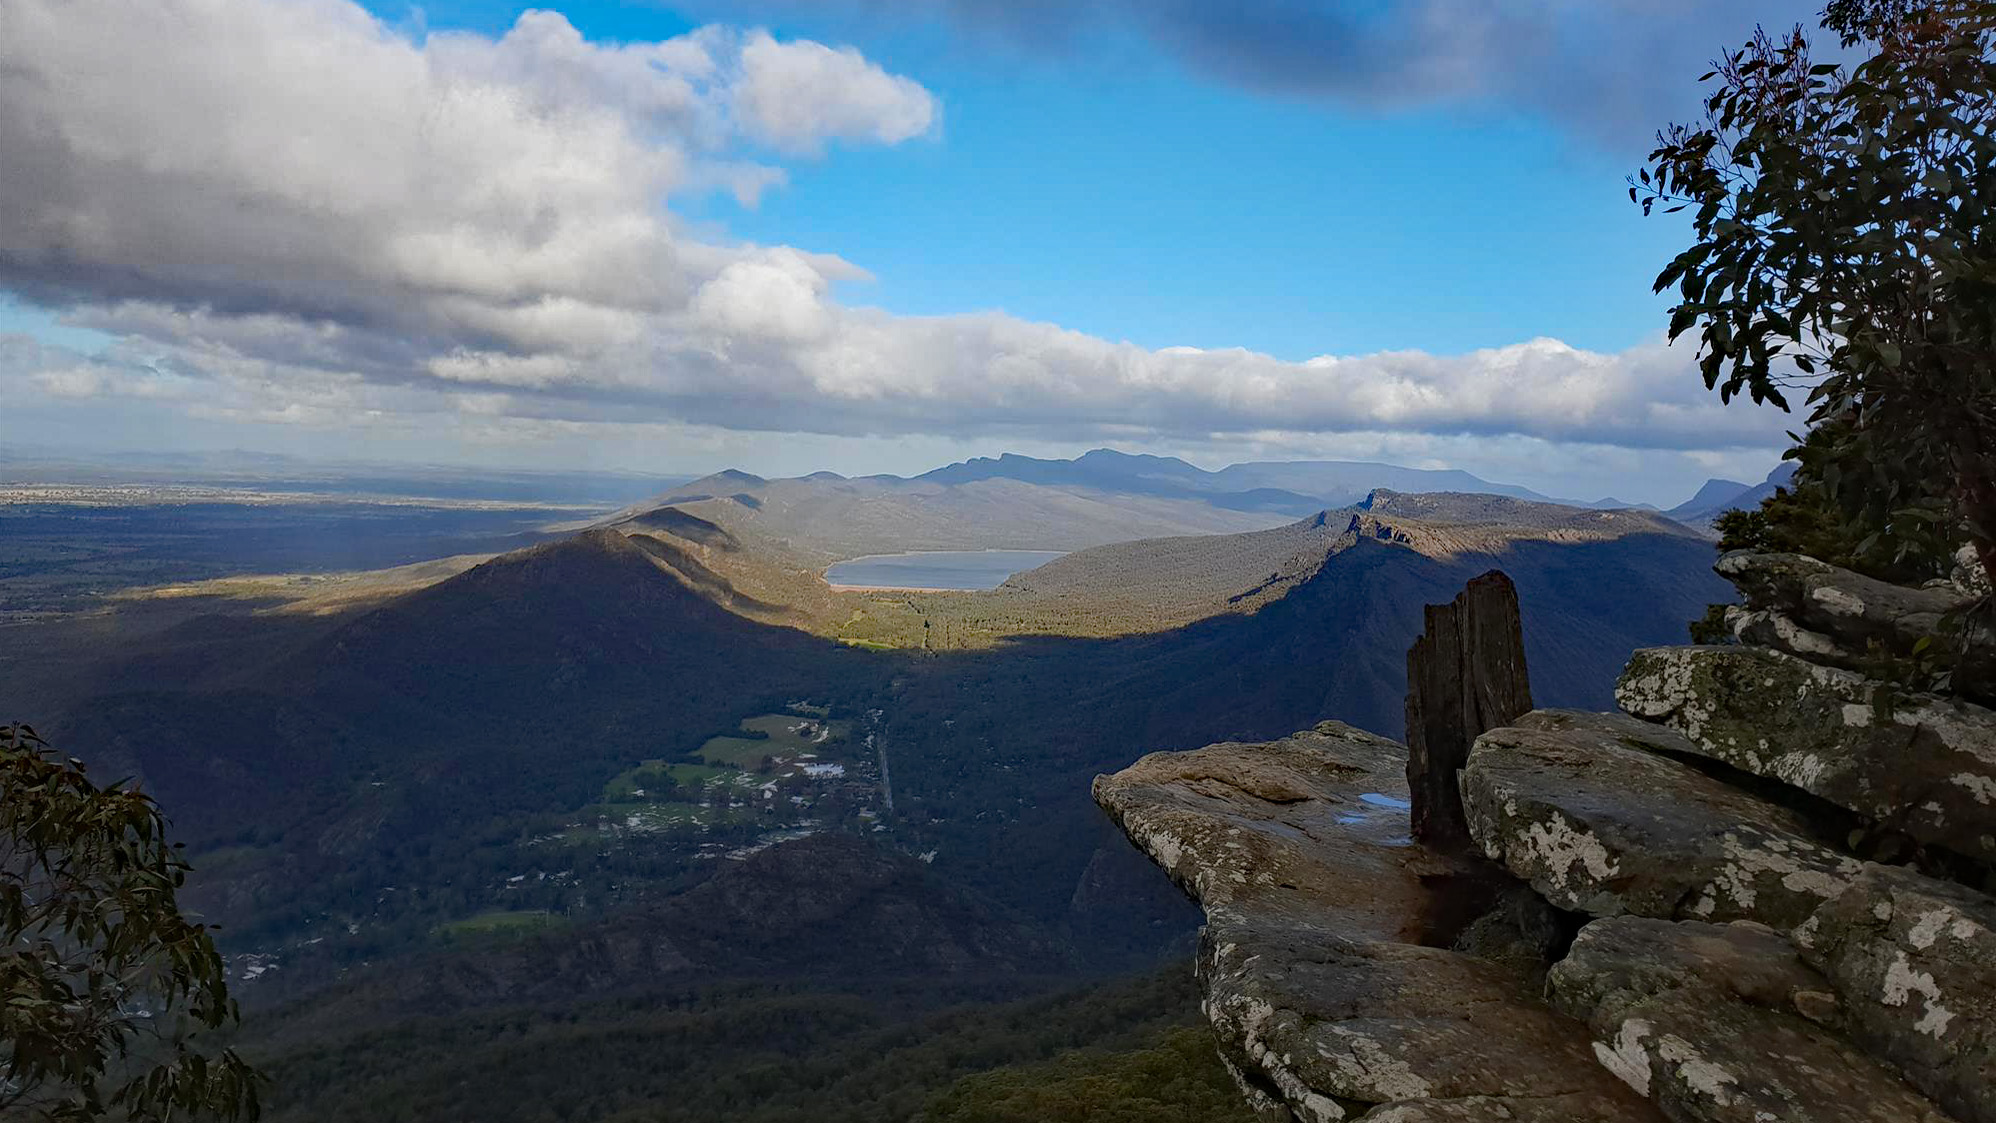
(286, 212)
(1601, 67)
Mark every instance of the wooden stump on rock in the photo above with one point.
(1465, 676)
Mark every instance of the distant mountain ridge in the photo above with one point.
(1298, 487)
(1718, 496)
(1026, 503)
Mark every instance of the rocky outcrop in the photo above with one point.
(1834, 602)
(1326, 958)
(1909, 955)
(1916, 958)
(1922, 764)
(1465, 674)
(1721, 1022)
(1838, 618)
(1670, 895)
(1586, 809)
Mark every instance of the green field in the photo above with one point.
(500, 922)
(662, 795)
(661, 782)
(784, 736)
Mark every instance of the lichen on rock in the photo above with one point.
(1705, 1020)
(1915, 959)
(1587, 809)
(1326, 960)
(1922, 763)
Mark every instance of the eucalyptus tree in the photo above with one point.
(1843, 247)
(106, 987)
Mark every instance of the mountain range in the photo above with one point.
(1102, 497)
(570, 775)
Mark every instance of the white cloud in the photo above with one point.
(297, 216)
(795, 95)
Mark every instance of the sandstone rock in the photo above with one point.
(1830, 615)
(1465, 674)
(1852, 608)
(1703, 1019)
(1479, 1109)
(1969, 575)
(1762, 628)
(1324, 959)
(1914, 960)
(1583, 807)
(1927, 767)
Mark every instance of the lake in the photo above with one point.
(937, 569)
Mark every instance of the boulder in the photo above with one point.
(1718, 1023)
(1918, 763)
(1326, 960)
(1830, 615)
(1914, 959)
(1850, 607)
(1759, 627)
(1585, 808)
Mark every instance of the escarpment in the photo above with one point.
(1759, 893)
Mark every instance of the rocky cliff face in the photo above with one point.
(1676, 912)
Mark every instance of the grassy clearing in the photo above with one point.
(500, 922)
(784, 736)
(658, 795)
(656, 781)
(740, 752)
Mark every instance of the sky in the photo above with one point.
(862, 235)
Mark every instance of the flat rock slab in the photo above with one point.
(1925, 765)
(1915, 961)
(1849, 607)
(1830, 615)
(1585, 808)
(1714, 1023)
(1319, 960)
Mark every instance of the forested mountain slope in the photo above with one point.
(584, 747)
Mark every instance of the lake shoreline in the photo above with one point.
(933, 571)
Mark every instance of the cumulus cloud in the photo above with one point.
(795, 95)
(288, 213)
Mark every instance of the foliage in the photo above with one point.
(106, 982)
(1179, 1079)
(1711, 628)
(767, 1052)
(1843, 242)
(1803, 519)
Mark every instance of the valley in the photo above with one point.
(651, 755)
(963, 562)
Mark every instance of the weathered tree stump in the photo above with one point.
(1465, 676)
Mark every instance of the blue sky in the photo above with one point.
(880, 236)
(1116, 194)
